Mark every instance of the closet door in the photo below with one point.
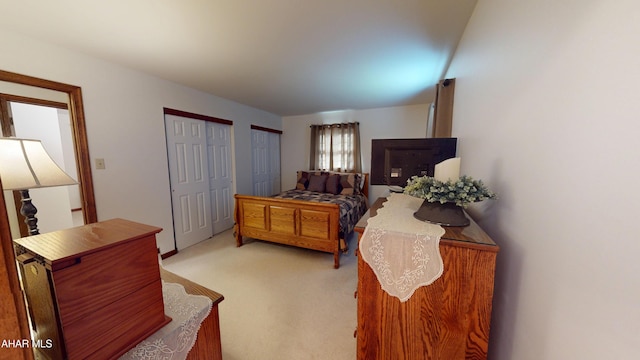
(189, 176)
(274, 162)
(220, 177)
(265, 162)
(260, 163)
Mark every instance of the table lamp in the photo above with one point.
(24, 165)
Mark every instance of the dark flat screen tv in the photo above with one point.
(393, 161)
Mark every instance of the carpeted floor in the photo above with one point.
(280, 302)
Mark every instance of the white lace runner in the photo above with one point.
(402, 251)
(174, 340)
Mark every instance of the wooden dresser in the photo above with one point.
(208, 345)
(449, 319)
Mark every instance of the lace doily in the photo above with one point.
(402, 251)
(174, 340)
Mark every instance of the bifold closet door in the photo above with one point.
(265, 165)
(274, 163)
(259, 162)
(189, 176)
(220, 176)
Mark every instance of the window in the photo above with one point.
(335, 147)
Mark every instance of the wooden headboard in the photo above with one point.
(365, 186)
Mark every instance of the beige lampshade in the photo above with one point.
(25, 164)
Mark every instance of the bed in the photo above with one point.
(318, 214)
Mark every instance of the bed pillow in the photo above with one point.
(303, 180)
(333, 184)
(317, 183)
(348, 183)
(360, 178)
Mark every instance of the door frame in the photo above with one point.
(79, 132)
(81, 146)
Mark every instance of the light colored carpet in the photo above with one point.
(281, 302)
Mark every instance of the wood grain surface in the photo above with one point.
(208, 345)
(103, 280)
(449, 319)
(291, 222)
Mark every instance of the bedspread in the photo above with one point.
(352, 207)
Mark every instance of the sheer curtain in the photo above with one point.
(336, 147)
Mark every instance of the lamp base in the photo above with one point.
(447, 214)
(28, 210)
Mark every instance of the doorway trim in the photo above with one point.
(79, 131)
(186, 114)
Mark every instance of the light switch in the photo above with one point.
(100, 164)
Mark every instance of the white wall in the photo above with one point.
(70, 164)
(54, 203)
(546, 112)
(381, 123)
(125, 126)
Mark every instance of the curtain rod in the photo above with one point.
(336, 124)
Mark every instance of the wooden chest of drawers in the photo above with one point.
(93, 292)
(449, 319)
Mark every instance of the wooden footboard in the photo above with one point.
(292, 222)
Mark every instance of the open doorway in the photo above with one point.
(13, 85)
(58, 207)
(17, 87)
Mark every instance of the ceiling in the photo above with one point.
(288, 57)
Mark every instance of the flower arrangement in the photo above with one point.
(462, 191)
